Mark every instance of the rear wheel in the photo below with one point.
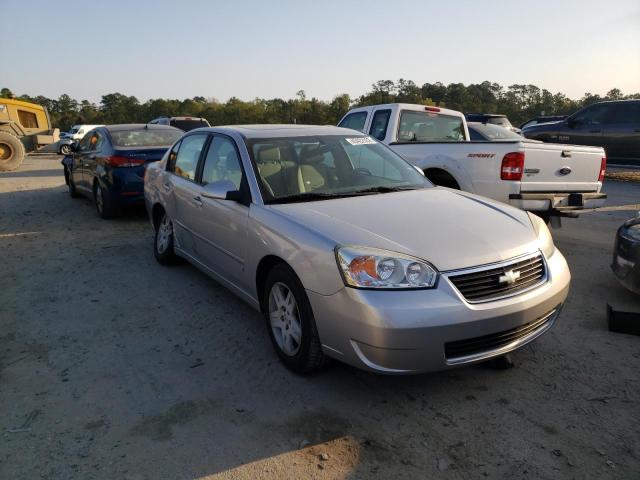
(73, 193)
(11, 152)
(290, 321)
(163, 244)
(65, 149)
(104, 204)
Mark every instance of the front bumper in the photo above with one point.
(558, 203)
(401, 332)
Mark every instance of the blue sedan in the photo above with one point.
(108, 164)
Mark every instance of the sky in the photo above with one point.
(248, 49)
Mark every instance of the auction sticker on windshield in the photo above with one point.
(361, 141)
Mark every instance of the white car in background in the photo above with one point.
(76, 134)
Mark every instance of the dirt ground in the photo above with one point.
(114, 367)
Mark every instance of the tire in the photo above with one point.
(73, 193)
(65, 149)
(293, 329)
(163, 242)
(103, 201)
(12, 152)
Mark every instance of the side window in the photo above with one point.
(96, 139)
(222, 162)
(354, 121)
(173, 154)
(475, 136)
(27, 119)
(186, 160)
(85, 144)
(628, 113)
(379, 124)
(593, 115)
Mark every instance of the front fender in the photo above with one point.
(309, 253)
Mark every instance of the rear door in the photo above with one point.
(560, 168)
(355, 121)
(179, 184)
(622, 131)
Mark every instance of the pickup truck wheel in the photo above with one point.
(290, 321)
(11, 152)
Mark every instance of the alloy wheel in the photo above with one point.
(285, 319)
(165, 230)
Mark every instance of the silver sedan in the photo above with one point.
(350, 252)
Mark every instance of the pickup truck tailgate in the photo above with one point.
(561, 168)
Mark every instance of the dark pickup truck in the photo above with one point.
(614, 125)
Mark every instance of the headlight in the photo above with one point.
(364, 267)
(545, 240)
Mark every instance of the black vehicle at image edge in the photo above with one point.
(614, 125)
(626, 255)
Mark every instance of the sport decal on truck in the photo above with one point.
(481, 155)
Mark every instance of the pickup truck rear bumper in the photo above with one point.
(557, 203)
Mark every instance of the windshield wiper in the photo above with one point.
(307, 197)
(313, 196)
(382, 189)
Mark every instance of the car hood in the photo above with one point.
(448, 228)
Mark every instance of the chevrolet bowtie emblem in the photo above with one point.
(509, 277)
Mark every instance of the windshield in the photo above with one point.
(318, 167)
(145, 137)
(187, 125)
(494, 132)
(502, 121)
(74, 130)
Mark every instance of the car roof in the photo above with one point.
(137, 126)
(276, 130)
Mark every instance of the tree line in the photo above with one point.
(518, 102)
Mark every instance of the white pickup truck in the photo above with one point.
(548, 179)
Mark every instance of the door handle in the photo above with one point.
(595, 131)
(197, 200)
(167, 187)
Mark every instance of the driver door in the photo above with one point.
(586, 126)
(220, 227)
(78, 166)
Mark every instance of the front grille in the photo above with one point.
(489, 343)
(479, 285)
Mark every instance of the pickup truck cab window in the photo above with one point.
(429, 127)
(186, 160)
(379, 124)
(354, 121)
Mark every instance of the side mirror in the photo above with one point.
(221, 190)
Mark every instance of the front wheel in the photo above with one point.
(290, 321)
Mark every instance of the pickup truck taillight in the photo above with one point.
(512, 166)
(603, 169)
(118, 161)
